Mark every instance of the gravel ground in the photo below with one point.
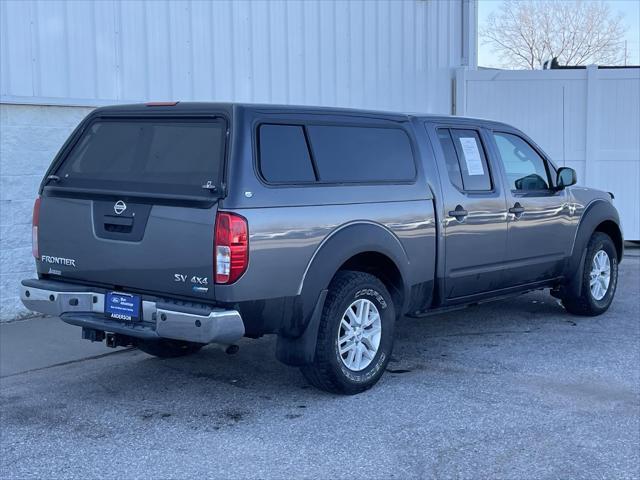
(513, 389)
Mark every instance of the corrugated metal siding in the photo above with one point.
(387, 54)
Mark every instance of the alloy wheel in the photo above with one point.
(600, 275)
(359, 335)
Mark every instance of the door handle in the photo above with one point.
(517, 209)
(120, 221)
(459, 213)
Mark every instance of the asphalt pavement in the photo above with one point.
(516, 389)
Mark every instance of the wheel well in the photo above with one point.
(611, 228)
(382, 267)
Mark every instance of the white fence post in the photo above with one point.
(460, 99)
(591, 147)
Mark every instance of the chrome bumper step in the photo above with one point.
(83, 307)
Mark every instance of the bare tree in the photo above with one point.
(526, 33)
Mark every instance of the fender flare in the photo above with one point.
(296, 342)
(597, 212)
(344, 243)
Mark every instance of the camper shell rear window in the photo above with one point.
(165, 156)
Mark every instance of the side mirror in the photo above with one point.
(566, 177)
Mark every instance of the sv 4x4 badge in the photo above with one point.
(200, 284)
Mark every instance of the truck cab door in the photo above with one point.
(473, 215)
(539, 216)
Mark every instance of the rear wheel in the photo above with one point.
(166, 348)
(599, 278)
(355, 336)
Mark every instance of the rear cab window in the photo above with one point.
(334, 154)
(466, 159)
(450, 157)
(147, 156)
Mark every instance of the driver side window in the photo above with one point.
(525, 169)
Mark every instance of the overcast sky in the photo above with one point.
(630, 9)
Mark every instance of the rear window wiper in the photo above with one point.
(53, 178)
(210, 186)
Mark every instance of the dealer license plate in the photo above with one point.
(122, 306)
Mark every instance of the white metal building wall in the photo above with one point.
(386, 54)
(59, 57)
(587, 119)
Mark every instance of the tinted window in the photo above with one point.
(472, 160)
(284, 156)
(147, 156)
(524, 168)
(450, 156)
(361, 154)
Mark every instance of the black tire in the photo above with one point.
(586, 304)
(328, 372)
(167, 348)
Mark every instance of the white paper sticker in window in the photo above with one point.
(472, 155)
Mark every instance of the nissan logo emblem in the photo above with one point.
(119, 207)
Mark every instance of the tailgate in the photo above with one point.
(132, 204)
(155, 248)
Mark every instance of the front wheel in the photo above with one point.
(355, 336)
(599, 278)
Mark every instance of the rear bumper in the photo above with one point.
(84, 306)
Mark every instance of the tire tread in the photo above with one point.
(320, 373)
(582, 305)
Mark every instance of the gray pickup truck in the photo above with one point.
(168, 226)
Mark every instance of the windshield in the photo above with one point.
(155, 156)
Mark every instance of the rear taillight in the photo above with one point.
(34, 228)
(231, 249)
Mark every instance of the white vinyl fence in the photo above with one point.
(587, 119)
